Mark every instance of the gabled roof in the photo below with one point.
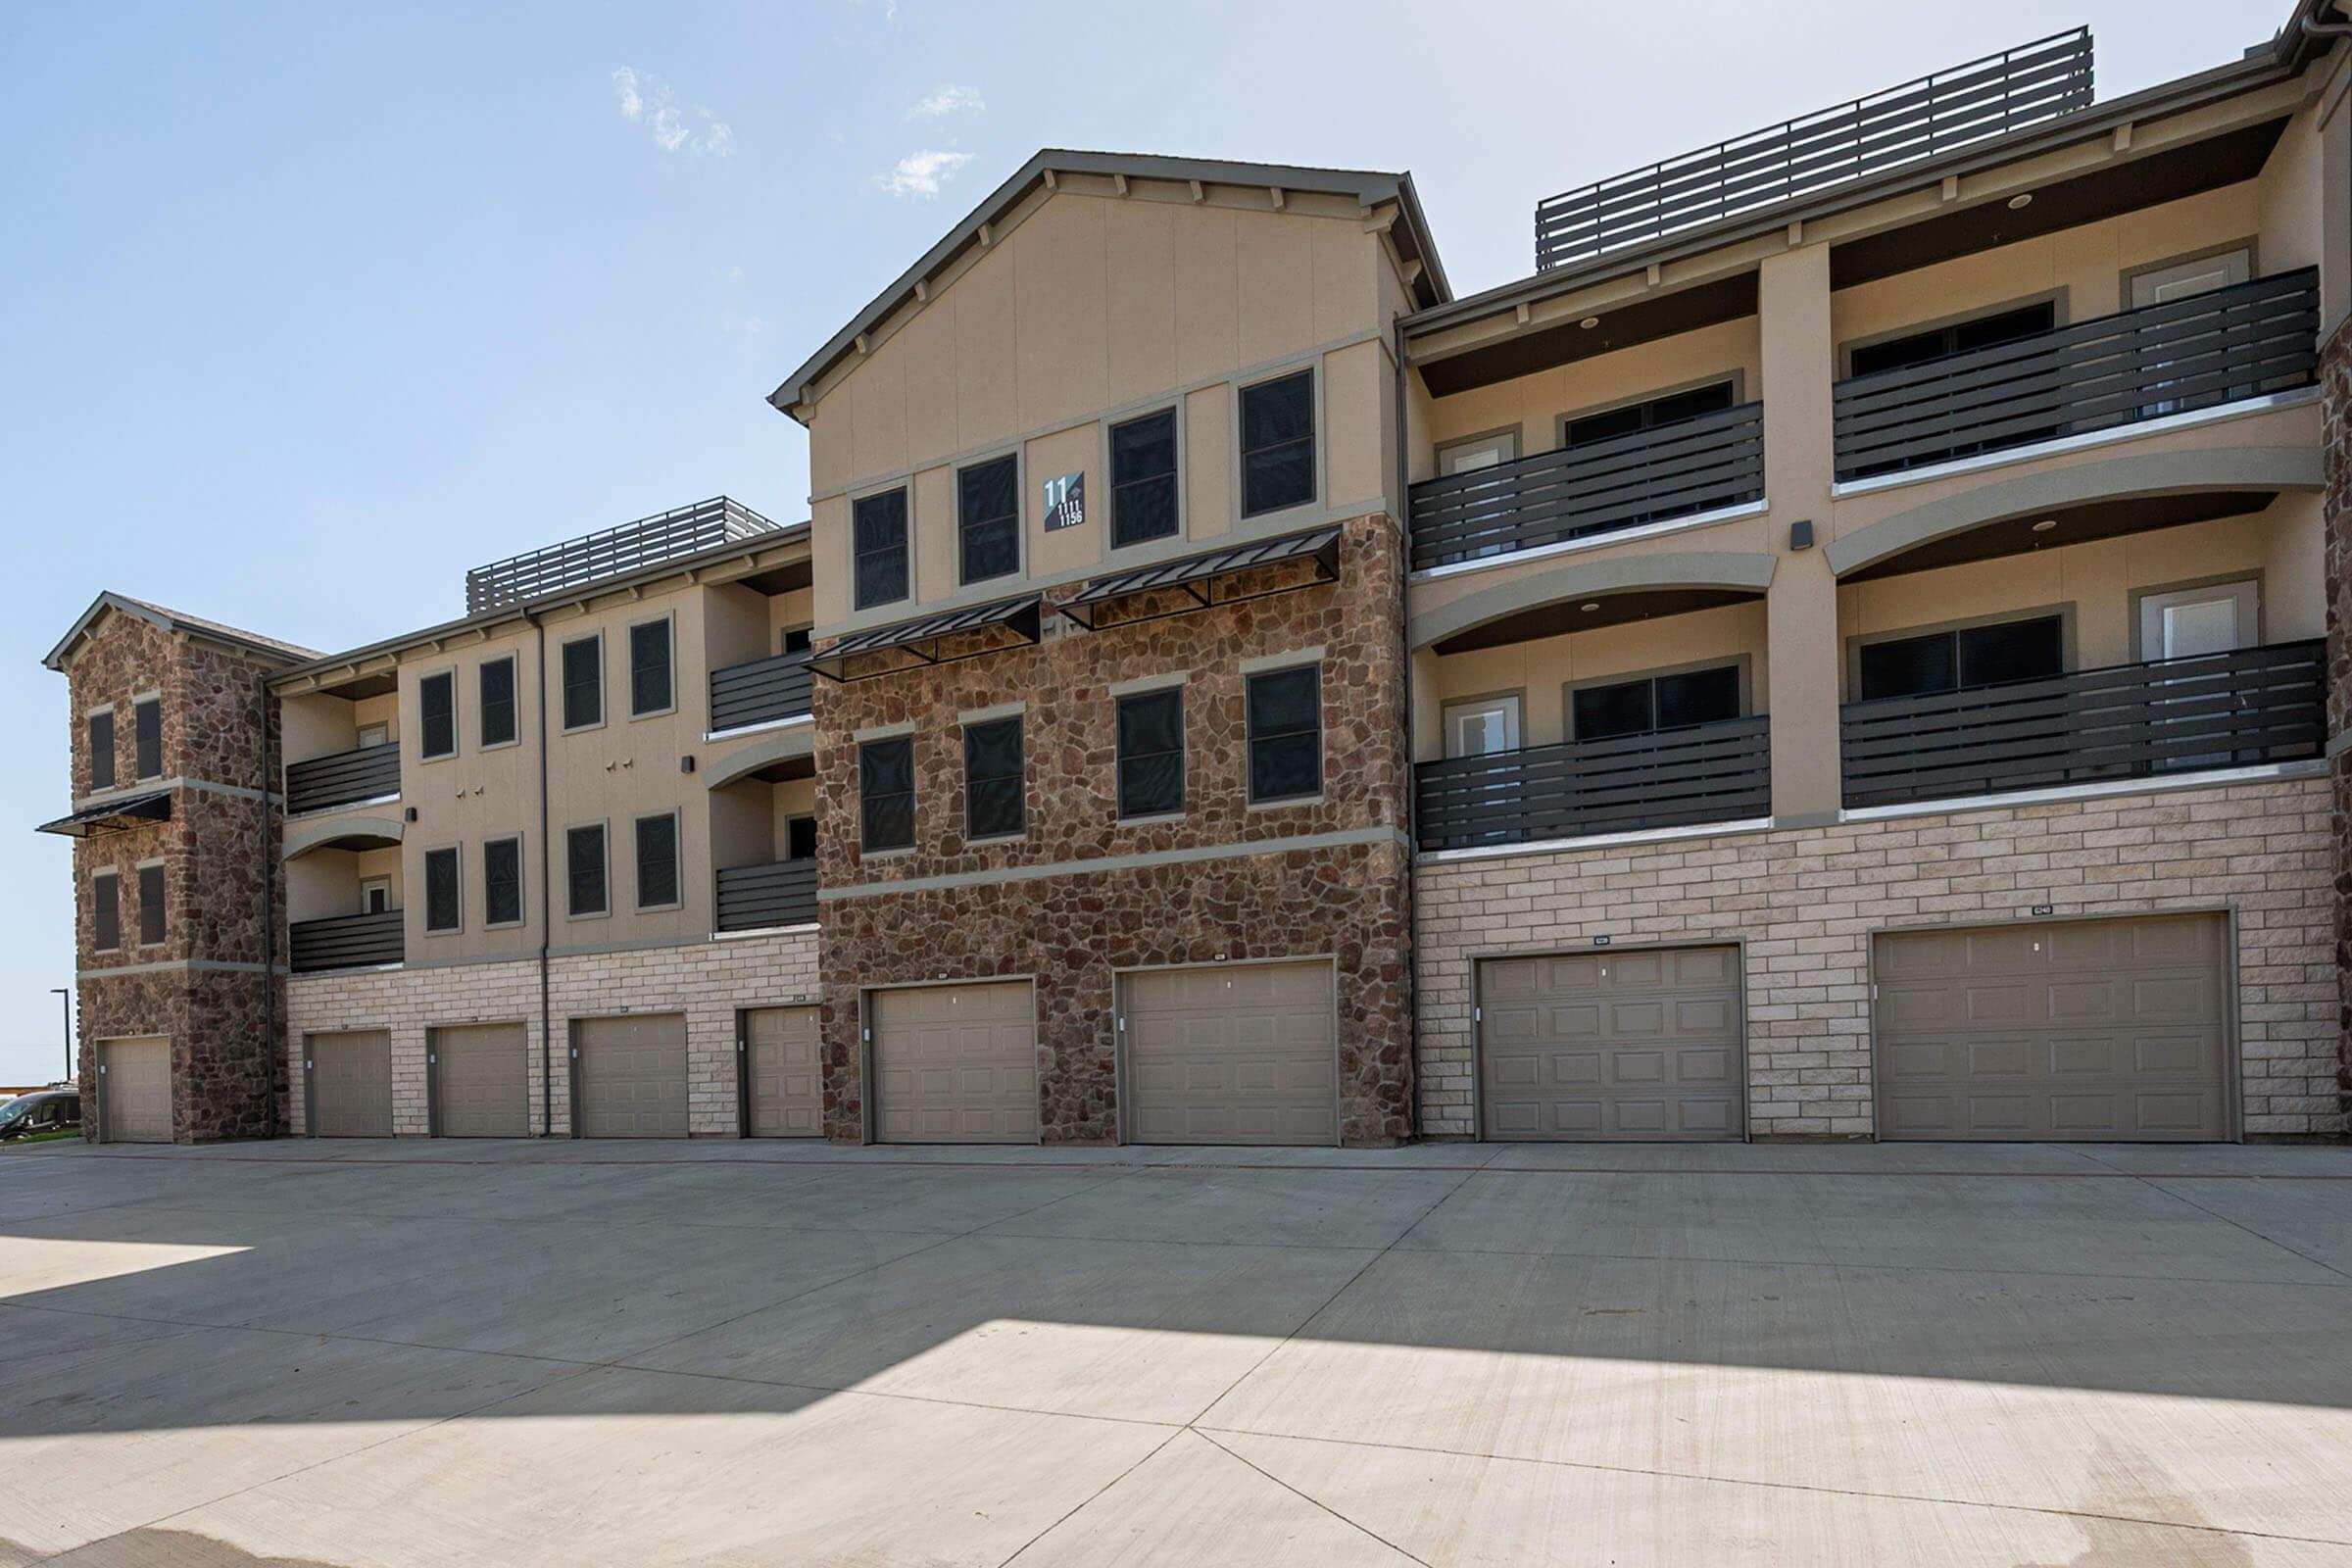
(1369, 189)
(154, 615)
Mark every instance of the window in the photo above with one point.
(650, 687)
(800, 838)
(1473, 453)
(106, 913)
(878, 548)
(1142, 479)
(502, 882)
(1915, 348)
(376, 895)
(1482, 727)
(441, 901)
(1286, 733)
(2218, 618)
(988, 518)
(886, 794)
(585, 870)
(497, 717)
(1655, 702)
(375, 735)
(583, 682)
(795, 640)
(1151, 753)
(437, 714)
(1278, 444)
(147, 737)
(1668, 409)
(993, 806)
(102, 750)
(151, 905)
(1957, 661)
(658, 862)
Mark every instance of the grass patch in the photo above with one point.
(59, 1136)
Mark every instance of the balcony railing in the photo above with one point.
(761, 691)
(612, 552)
(2170, 715)
(369, 773)
(2187, 353)
(1716, 772)
(753, 897)
(1670, 471)
(346, 942)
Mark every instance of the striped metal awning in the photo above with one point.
(114, 816)
(934, 639)
(1199, 576)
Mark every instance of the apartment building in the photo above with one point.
(1842, 649)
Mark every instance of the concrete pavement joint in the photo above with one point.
(1313, 1501)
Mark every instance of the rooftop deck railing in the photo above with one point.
(611, 552)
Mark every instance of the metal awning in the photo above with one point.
(1199, 576)
(940, 639)
(114, 816)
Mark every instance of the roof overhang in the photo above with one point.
(114, 817)
(1313, 554)
(945, 638)
(114, 604)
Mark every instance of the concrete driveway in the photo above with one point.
(298, 1353)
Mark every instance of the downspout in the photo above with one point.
(547, 913)
(1412, 837)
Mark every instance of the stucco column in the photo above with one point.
(1800, 637)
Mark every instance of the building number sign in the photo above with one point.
(1065, 501)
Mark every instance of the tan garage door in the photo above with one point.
(2075, 1031)
(630, 1076)
(1635, 1045)
(956, 1064)
(481, 1081)
(134, 1091)
(780, 1076)
(350, 1084)
(1232, 1055)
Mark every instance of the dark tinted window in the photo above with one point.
(437, 714)
(1936, 341)
(657, 861)
(1286, 733)
(1699, 696)
(1908, 666)
(147, 737)
(1625, 708)
(1142, 478)
(440, 890)
(886, 794)
(498, 701)
(649, 667)
(1655, 412)
(988, 504)
(151, 904)
(1953, 660)
(584, 869)
(799, 839)
(102, 750)
(1151, 753)
(106, 913)
(992, 779)
(502, 882)
(1656, 702)
(583, 682)
(796, 641)
(1278, 444)
(878, 544)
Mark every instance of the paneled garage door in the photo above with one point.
(1234, 1054)
(781, 1081)
(481, 1081)
(1603, 1045)
(630, 1076)
(2075, 1030)
(956, 1064)
(134, 1082)
(351, 1083)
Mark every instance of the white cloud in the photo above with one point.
(948, 100)
(646, 101)
(921, 173)
(625, 82)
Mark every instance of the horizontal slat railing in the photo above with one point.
(346, 942)
(2234, 709)
(751, 897)
(1691, 466)
(1716, 772)
(612, 552)
(2207, 349)
(366, 774)
(761, 691)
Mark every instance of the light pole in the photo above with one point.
(66, 1000)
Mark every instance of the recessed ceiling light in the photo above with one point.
(2045, 525)
(1590, 603)
(2019, 203)
(1589, 323)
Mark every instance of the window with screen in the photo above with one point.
(1151, 753)
(1142, 479)
(878, 548)
(988, 518)
(437, 714)
(1286, 733)
(496, 711)
(583, 682)
(1278, 444)
(992, 779)
(886, 794)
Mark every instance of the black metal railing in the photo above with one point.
(1935, 114)
(346, 942)
(751, 897)
(2169, 715)
(2194, 353)
(1716, 772)
(1669, 471)
(366, 774)
(761, 691)
(612, 552)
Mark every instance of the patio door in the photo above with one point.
(2182, 280)
(2184, 623)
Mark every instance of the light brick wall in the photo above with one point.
(1806, 901)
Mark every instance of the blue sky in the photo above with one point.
(279, 280)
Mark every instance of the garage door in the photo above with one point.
(630, 1075)
(780, 1077)
(956, 1064)
(2077, 1030)
(1634, 1045)
(350, 1084)
(481, 1081)
(1232, 1055)
(134, 1086)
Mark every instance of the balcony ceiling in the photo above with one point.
(2075, 525)
(1560, 617)
(1651, 317)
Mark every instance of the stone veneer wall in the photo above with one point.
(1806, 901)
(2335, 380)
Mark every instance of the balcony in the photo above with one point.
(761, 691)
(1717, 773)
(752, 898)
(369, 773)
(1704, 464)
(346, 942)
(2178, 357)
(2173, 715)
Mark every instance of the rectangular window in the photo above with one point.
(1482, 727)
(1983, 331)
(1151, 753)
(441, 900)
(437, 714)
(878, 548)
(988, 518)
(585, 870)
(1655, 702)
(656, 862)
(794, 640)
(147, 737)
(1670, 409)
(583, 682)
(1278, 444)
(106, 913)
(1286, 733)
(1969, 657)
(151, 905)
(1142, 479)
(650, 688)
(991, 780)
(498, 719)
(102, 750)
(886, 794)
(502, 882)
(799, 839)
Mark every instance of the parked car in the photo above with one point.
(40, 1110)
